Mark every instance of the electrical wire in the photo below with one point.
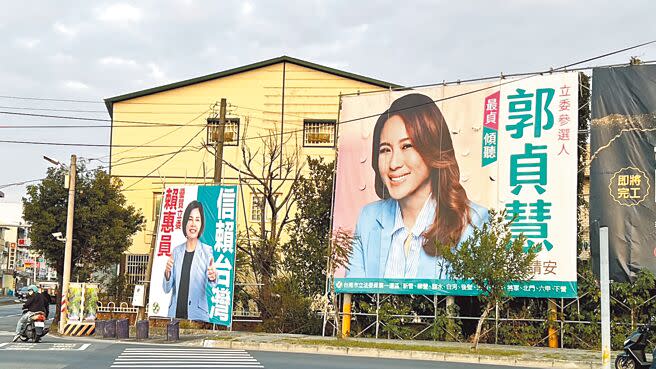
(167, 160)
(526, 76)
(159, 137)
(102, 167)
(95, 126)
(95, 119)
(91, 101)
(47, 109)
(19, 183)
(49, 99)
(139, 159)
(80, 144)
(92, 111)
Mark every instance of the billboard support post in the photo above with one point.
(346, 317)
(605, 297)
(552, 313)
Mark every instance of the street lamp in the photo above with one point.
(69, 235)
(53, 161)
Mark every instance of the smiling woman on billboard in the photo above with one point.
(422, 201)
(189, 269)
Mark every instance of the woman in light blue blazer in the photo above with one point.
(422, 201)
(189, 269)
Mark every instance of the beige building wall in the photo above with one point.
(272, 99)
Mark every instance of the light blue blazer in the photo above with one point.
(197, 309)
(373, 239)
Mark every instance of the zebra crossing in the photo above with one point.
(163, 357)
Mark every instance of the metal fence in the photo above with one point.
(525, 322)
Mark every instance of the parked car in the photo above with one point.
(22, 293)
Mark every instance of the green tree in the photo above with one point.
(491, 259)
(305, 258)
(103, 224)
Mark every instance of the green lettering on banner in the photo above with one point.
(489, 154)
(221, 204)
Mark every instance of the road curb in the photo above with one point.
(396, 354)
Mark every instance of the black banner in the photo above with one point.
(622, 141)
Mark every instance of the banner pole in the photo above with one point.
(605, 297)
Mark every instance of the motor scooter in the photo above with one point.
(35, 327)
(634, 356)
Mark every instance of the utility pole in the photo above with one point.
(218, 137)
(69, 244)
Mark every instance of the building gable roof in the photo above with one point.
(109, 102)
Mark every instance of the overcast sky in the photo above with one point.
(91, 50)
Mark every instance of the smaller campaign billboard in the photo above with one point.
(82, 302)
(194, 260)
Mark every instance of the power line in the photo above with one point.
(96, 119)
(143, 158)
(92, 111)
(167, 160)
(49, 99)
(91, 101)
(137, 159)
(502, 76)
(47, 109)
(41, 126)
(20, 183)
(161, 136)
(526, 76)
(79, 144)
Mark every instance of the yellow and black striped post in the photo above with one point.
(79, 329)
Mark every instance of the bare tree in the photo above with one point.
(270, 167)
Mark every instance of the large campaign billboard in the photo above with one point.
(427, 164)
(194, 260)
(622, 142)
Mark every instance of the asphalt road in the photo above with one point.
(71, 353)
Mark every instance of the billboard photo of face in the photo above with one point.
(425, 169)
(193, 266)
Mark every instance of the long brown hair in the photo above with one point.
(430, 136)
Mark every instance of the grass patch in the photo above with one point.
(221, 338)
(404, 347)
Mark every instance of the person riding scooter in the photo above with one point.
(35, 303)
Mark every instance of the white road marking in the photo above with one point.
(184, 358)
(186, 366)
(18, 346)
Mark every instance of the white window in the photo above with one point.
(257, 207)
(319, 133)
(230, 132)
(135, 268)
(260, 208)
